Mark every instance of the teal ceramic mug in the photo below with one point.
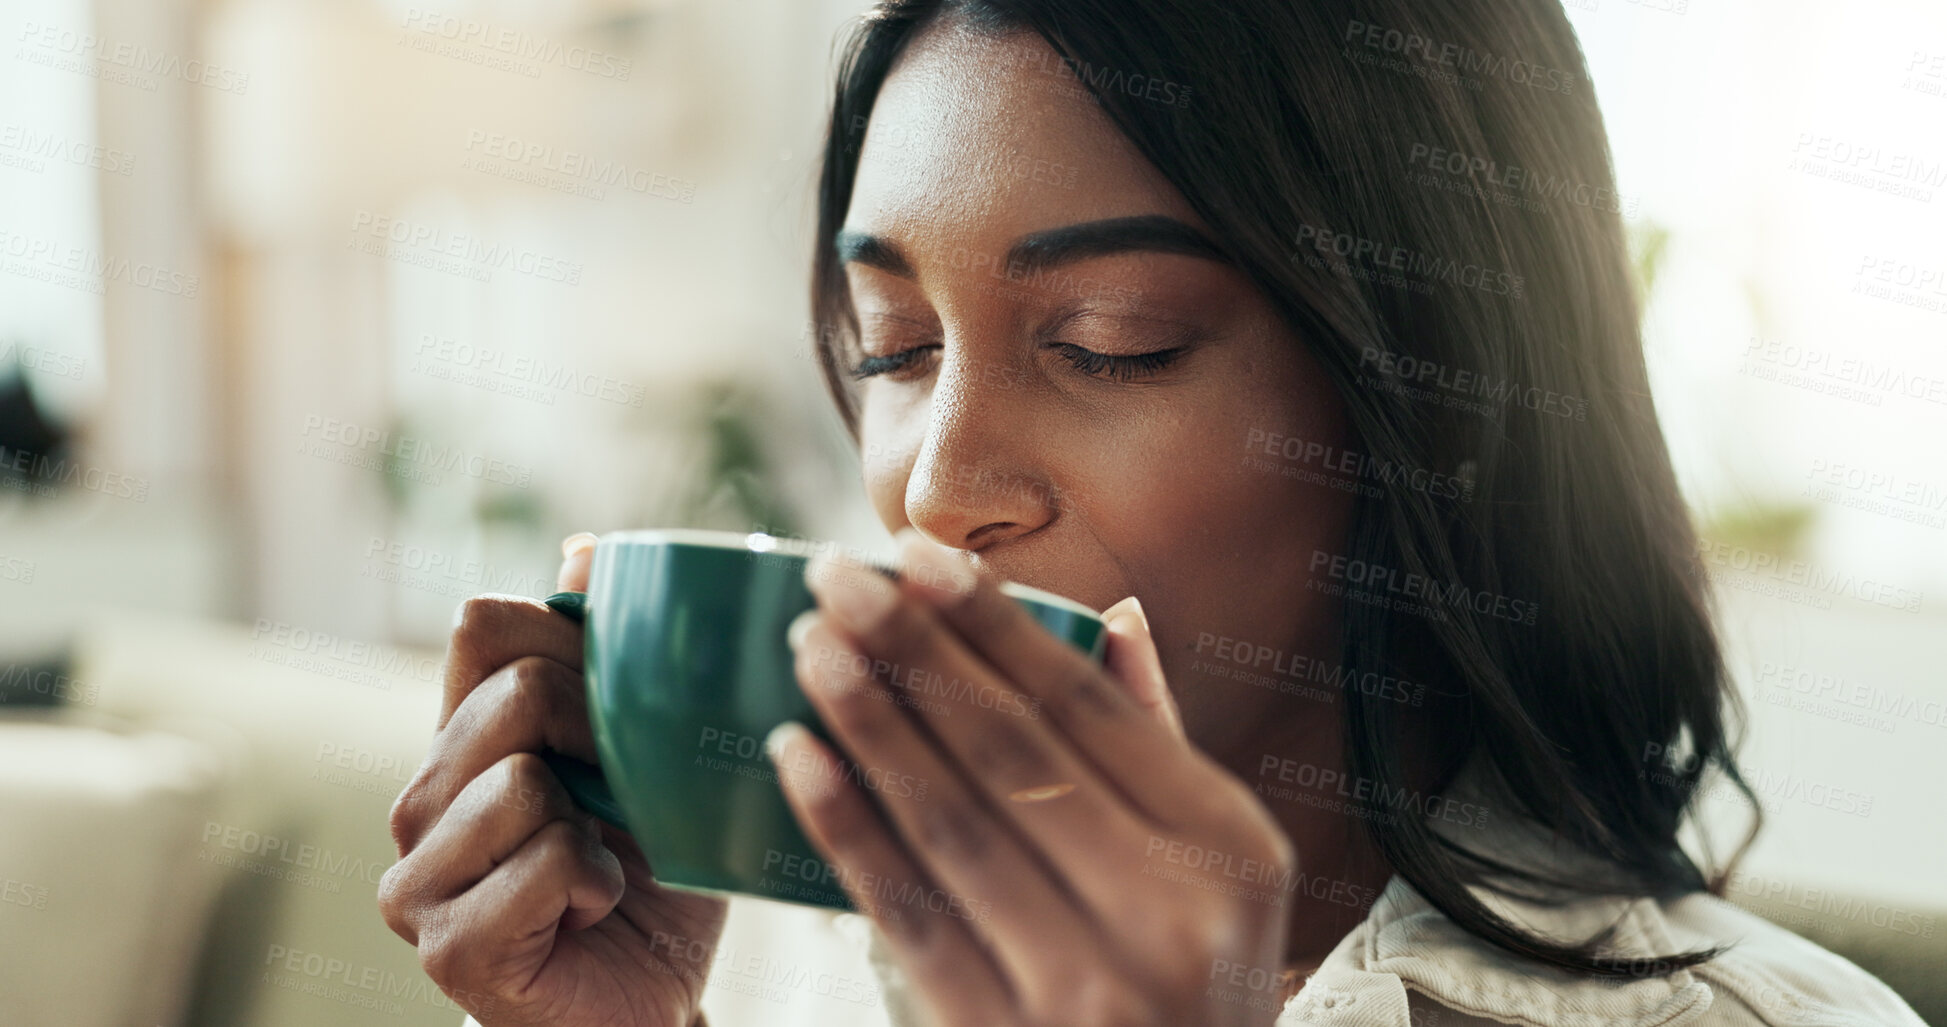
(687, 672)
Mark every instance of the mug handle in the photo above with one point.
(584, 781)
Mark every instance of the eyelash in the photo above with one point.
(1114, 367)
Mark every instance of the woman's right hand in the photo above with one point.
(525, 908)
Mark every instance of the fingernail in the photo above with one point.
(858, 596)
(1129, 610)
(782, 735)
(577, 542)
(937, 570)
(800, 627)
(1128, 619)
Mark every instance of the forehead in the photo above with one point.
(992, 131)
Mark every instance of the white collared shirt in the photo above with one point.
(1767, 976)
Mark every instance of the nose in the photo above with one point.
(980, 475)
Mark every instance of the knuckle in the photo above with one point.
(480, 627)
(524, 770)
(406, 815)
(569, 852)
(1012, 755)
(398, 901)
(401, 821)
(525, 783)
(537, 686)
(442, 954)
(839, 821)
(951, 830)
(485, 616)
(1086, 688)
(564, 847)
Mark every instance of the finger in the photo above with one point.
(491, 631)
(1131, 657)
(577, 554)
(1036, 864)
(1170, 782)
(935, 942)
(1020, 765)
(491, 818)
(497, 936)
(531, 704)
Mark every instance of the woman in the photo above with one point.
(1309, 323)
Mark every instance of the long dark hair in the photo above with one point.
(1425, 193)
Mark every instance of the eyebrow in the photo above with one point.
(1149, 233)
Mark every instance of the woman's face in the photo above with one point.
(1095, 409)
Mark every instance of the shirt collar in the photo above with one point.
(1405, 935)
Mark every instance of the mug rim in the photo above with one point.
(762, 542)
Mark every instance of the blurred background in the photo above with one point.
(317, 316)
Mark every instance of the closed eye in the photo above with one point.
(1118, 367)
(1112, 366)
(891, 363)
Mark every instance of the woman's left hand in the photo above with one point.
(1031, 831)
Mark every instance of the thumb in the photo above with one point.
(577, 553)
(1132, 658)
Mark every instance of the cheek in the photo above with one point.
(1227, 535)
(1289, 508)
(1206, 500)
(890, 436)
(1200, 469)
(885, 488)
